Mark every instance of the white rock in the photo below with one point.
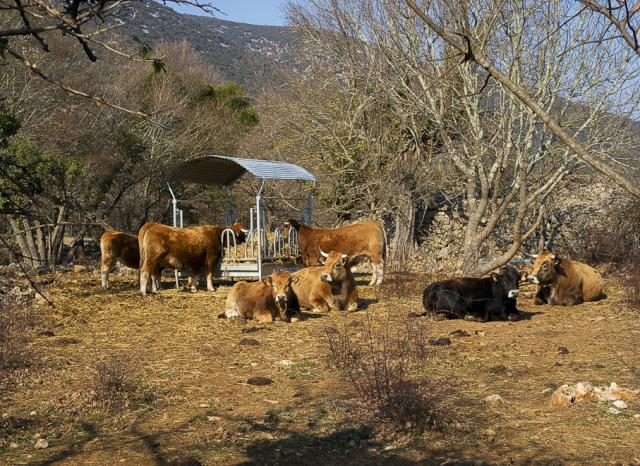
(583, 388)
(636, 416)
(613, 411)
(494, 399)
(33, 413)
(5, 415)
(41, 444)
(620, 404)
(613, 386)
(36, 436)
(285, 362)
(213, 418)
(13, 445)
(389, 448)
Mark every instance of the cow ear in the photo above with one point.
(267, 280)
(556, 260)
(294, 279)
(494, 276)
(344, 259)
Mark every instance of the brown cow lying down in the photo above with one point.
(330, 286)
(268, 300)
(565, 282)
(117, 247)
(365, 239)
(198, 248)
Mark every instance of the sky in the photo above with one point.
(269, 12)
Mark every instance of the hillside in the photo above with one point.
(235, 49)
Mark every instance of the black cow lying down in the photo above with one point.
(477, 299)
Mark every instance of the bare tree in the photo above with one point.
(471, 46)
(621, 14)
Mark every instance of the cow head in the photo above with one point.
(280, 283)
(240, 232)
(544, 268)
(508, 277)
(291, 223)
(336, 266)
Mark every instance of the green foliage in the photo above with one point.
(159, 66)
(30, 176)
(145, 51)
(9, 126)
(231, 96)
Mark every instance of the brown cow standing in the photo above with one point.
(365, 239)
(330, 286)
(565, 282)
(197, 248)
(268, 300)
(116, 247)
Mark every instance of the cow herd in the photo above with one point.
(326, 281)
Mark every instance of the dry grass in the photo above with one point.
(197, 366)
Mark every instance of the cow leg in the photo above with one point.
(263, 316)
(144, 279)
(155, 281)
(374, 274)
(210, 281)
(380, 273)
(319, 305)
(104, 274)
(231, 311)
(194, 282)
(480, 318)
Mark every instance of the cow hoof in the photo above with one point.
(538, 302)
(231, 314)
(513, 317)
(295, 319)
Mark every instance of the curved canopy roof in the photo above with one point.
(221, 170)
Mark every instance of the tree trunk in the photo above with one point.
(21, 240)
(56, 238)
(403, 242)
(33, 251)
(41, 245)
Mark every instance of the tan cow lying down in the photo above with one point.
(365, 239)
(268, 300)
(164, 247)
(330, 286)
(117, 247)
(565, 282)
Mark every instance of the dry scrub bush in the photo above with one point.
(381, 365)
(114, 380)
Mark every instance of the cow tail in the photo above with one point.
(141, 251)
(385, 240)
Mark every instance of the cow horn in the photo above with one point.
(324, 254)
(531, 255)
(344, 256)
(243, 230)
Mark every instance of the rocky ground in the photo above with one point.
(115, 378)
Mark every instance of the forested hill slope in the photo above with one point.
(235, 49)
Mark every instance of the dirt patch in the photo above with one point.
(194, 400)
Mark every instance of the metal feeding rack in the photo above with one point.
(265, 249)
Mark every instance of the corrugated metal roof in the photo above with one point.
(222, 170)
